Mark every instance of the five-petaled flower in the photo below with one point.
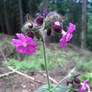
(84, 86)
(67, 36)
(24, 44)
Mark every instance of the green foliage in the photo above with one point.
(68, 8)
(62, 6)
(89, 34)
(87, 76)
(84, 66)
(59, 88)
(71, 89)
(33, 62)
(71, 53)
(55, 58)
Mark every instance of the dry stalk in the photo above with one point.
(22, 74)
(15, 71)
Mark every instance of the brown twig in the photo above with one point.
(15, 71)
(53, 80)
(25, 75)
(6, 74)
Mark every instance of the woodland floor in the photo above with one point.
(18, 83)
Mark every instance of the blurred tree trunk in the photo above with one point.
(6, 19)
(21, 13)
(2, 24)
(75, 12)
(84, 24)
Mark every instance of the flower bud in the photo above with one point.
(57, 26)
(44, 13)
(30, 34)
(30, 25)
(77, 80)
(39, 20)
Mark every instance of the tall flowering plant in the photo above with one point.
(41, 28)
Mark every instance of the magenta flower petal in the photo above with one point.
(16, 42)
(30, 50)
(71, 27)
(20, 36)
(84, 86)
(33, 44)
(30, 42)
(62, 44)
(21, 49)
(68, 36)
(24, 44)
(63, 41)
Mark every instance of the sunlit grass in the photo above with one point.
(55, 58)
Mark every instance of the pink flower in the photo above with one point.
(24, 44)
(30, 34)
(28, 25)
(67, 36)
(57, 27)
(84, 86)
(65, 39)
(71, 28)
(39, 20)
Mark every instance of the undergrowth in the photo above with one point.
(54, 57)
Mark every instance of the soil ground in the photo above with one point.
(18, 83)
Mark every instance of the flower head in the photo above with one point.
(39, 20)
(44, 13)
(84, 86)
(71, 28)
(57, 26)
(77, 80)
(67, 36)
(63, 41)
(30, 34)
(24, 44)
(28, 25)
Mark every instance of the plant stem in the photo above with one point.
(46, 65)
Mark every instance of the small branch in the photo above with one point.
(88, 88)
(53, 80)
(14, 70)
(6, 74)
(25, 75)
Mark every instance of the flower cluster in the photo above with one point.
(42, 27)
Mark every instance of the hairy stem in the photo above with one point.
(46, 65)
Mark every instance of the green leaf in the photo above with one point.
(54, 88)
(87, 76)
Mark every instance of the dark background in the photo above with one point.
(79, 12)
